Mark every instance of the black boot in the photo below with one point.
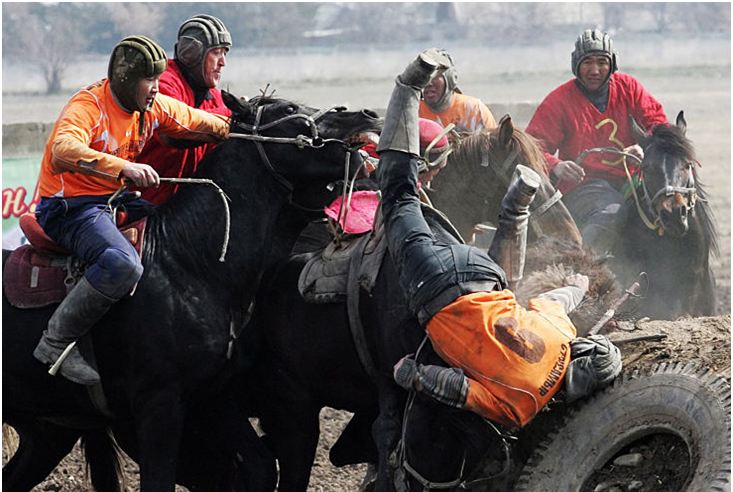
(78, 312)
(510, 241)
(401, 131)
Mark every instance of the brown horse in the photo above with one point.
(469, 189)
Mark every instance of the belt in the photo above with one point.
(431, 308)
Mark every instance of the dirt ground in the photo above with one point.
(703, 94)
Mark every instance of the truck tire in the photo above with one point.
(685, 400)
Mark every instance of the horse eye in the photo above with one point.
(290, 109)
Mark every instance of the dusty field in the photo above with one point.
(704, 94)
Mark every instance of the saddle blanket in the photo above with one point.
(35, 278)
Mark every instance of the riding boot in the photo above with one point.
(401, 121)
(78, 312)
(447, 385)
(397, 173)
(510, 240)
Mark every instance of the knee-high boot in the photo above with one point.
(78, 312)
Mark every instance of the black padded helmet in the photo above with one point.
(196, 37)
(592, 42)
(450, 75)
(134, 58)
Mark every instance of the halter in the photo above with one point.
(690, 191)
(314, 141)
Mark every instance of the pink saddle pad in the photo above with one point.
(359, 218)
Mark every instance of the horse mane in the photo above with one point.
(705, 214)
(471, 145)
(531, 149)
(669, 139)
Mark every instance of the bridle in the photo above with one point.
(312, 141)
(689, 190)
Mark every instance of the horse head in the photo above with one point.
(305, 149)
(669, 177)
(478, 174)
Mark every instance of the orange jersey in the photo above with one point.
(468, 113)
(515, 358)
(94, 138)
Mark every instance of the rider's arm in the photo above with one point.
(180, 120)
(647, 111)
(74, 133)
(546, 126)
(570, 295)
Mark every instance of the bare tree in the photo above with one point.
(137, 18)
(48, 38)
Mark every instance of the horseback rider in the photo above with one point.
(92, 148)
(589, 111)
(192, 77)
(514, 359)
(444, 103)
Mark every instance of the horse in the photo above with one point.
(168, 353)
(479, 170)
(313, 355)
(311, 358)
(669, 231)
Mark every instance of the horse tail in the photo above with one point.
(103, 461)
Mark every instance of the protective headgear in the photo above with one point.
(592, 42)
(434, 144)
(196, 37)
(451, 85)
(134, 58)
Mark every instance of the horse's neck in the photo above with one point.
(191, 229)
(463, 193)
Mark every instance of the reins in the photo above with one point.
(112, 207)
(314, 141)
(667, 190)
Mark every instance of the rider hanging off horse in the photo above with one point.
(509, 361)
(93, 147)
(589, 111)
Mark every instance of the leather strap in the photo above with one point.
(352, 307)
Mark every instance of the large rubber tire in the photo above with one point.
(682, 399)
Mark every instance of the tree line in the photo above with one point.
(52, 35)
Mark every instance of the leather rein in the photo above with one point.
(690, 191)
(313, 141)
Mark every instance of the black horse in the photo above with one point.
(162, 353)
(669, 232)
(312, 359)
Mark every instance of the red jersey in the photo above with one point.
(173, 162)
(567, 122)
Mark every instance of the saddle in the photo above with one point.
(42, 272)
(325, 277)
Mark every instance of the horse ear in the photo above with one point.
(506, 130)
(236, 104)
(681, 123)
(638, 133)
